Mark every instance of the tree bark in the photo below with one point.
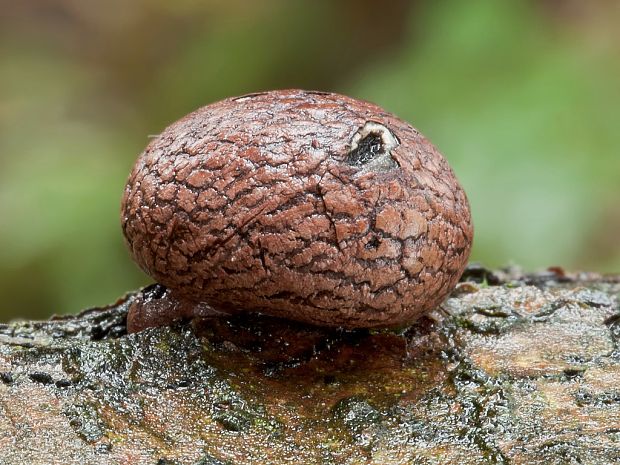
(520, 369)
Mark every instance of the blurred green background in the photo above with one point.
(522, 97)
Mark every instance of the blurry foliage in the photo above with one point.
(527, 109)
(522, 97)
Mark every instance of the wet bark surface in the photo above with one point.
(518, 369)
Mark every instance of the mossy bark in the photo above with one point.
(521, 369)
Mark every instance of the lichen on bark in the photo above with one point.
(519, 369)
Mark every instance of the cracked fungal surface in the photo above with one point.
(306, 205)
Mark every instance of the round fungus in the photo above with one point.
(310, 206)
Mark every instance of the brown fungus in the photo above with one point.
(305, 205)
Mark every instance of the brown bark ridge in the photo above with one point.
(519, 369)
